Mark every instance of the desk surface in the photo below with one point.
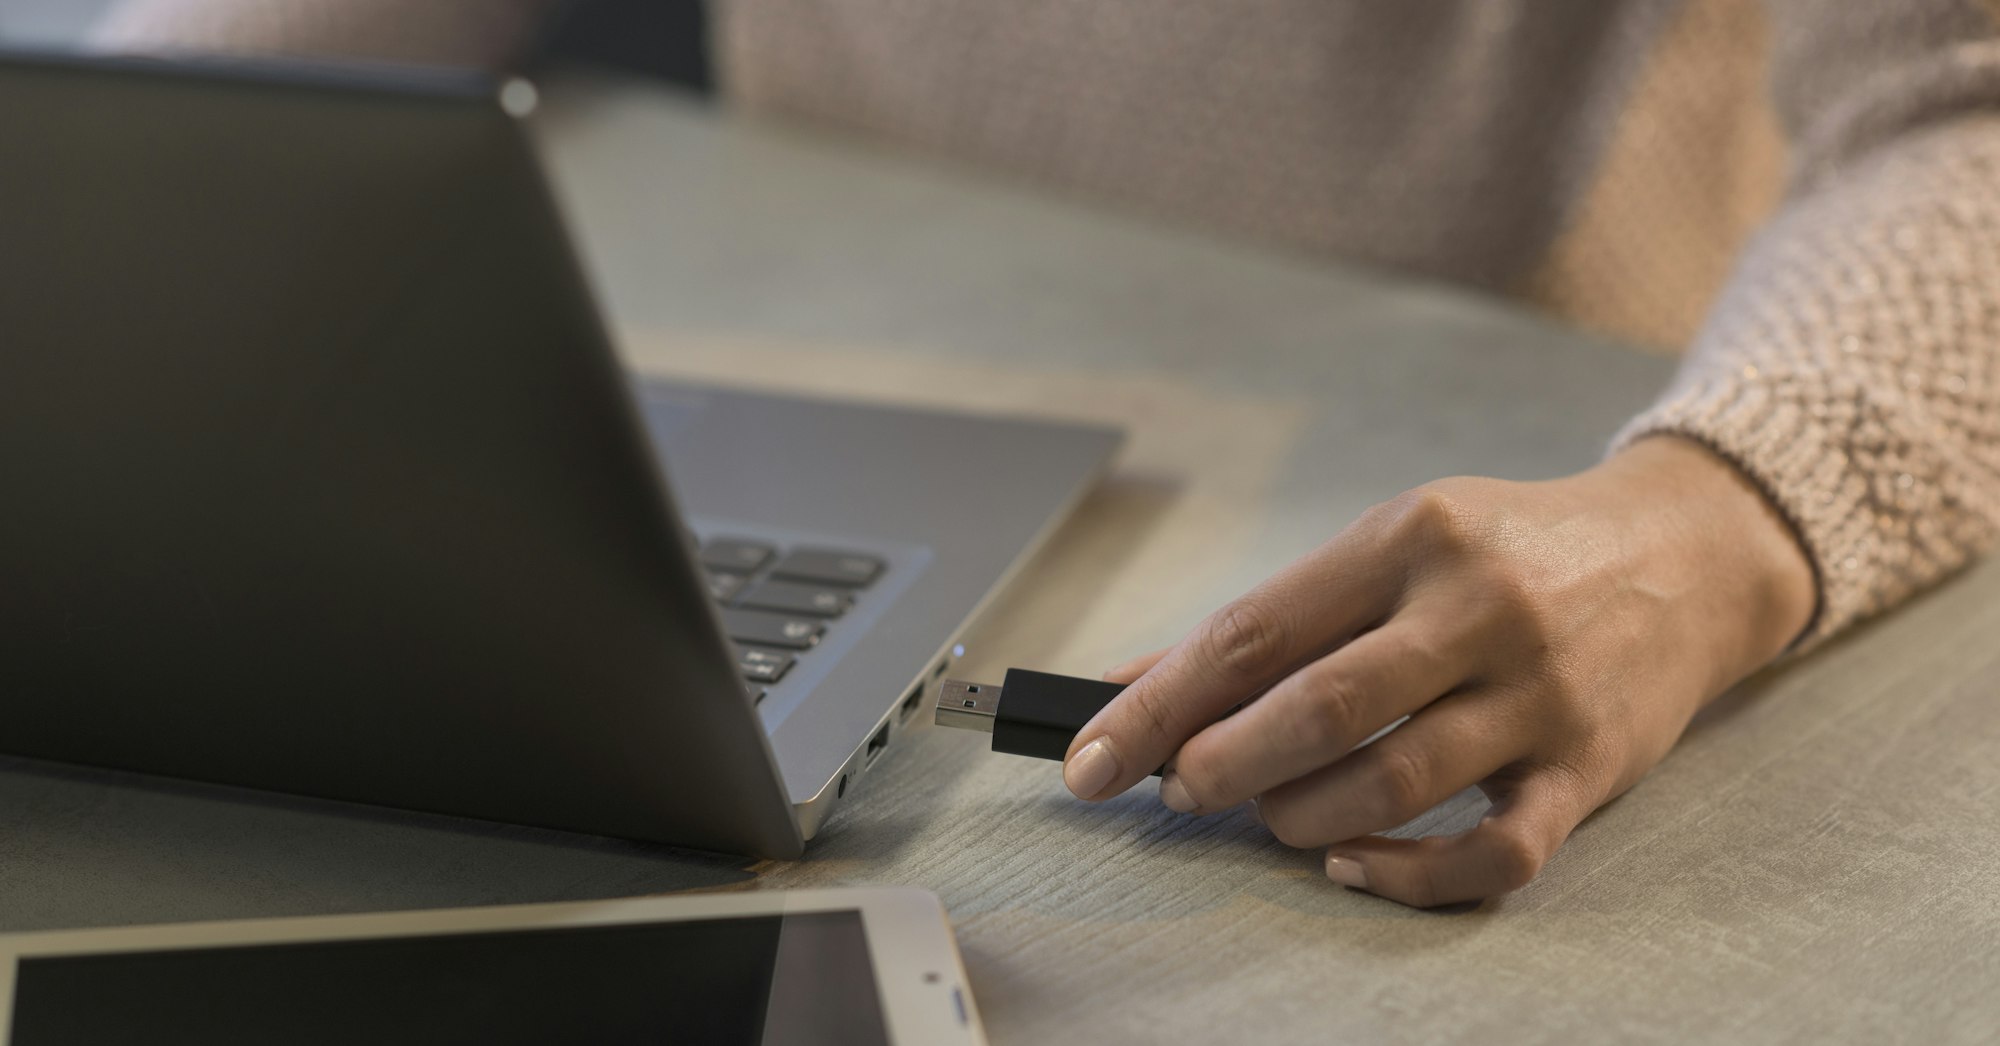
(1815, 860)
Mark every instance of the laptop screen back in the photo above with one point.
(321, 474)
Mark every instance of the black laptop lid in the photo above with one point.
(318, 472)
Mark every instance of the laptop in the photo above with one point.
(321, 476)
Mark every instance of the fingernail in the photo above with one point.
(1255, 813)
(1090, 771)
(1175, 795)
(1346, 871)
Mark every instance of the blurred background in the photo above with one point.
(660, 37)
(48, 22)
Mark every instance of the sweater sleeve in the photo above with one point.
(470, 33)
(1851, 366)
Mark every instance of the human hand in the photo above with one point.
(1549, 641)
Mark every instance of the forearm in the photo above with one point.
(1852, 368)
(471, 33)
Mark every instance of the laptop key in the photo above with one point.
(763, 666)
(735, 555)
(723, 587)
(792, 597)
(828, 567)
(788, 631)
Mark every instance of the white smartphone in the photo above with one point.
(852, 967)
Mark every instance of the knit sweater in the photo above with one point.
(1802, 196)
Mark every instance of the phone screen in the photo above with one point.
(804, 978)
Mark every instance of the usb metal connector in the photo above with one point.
(968, 706)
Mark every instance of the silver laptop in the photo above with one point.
(321, 476)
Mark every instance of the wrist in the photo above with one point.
(1753, 590)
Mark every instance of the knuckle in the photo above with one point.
(1402, 782)
(1589, 774)
(1436, 517)
(1245, 639)
(1516, 860)
(1427, 651)
(1150, 709)
(1505, 604)
(1601, 731)
(1415, 512)
(1576, 721)
(1511, 589)
(1327, 718)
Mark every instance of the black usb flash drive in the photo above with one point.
(1030, 713)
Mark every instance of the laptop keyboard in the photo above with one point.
(777, 603)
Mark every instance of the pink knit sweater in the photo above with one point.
(1803, 195)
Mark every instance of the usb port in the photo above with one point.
(877, 743)
(910, 703)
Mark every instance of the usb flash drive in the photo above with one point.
(1030, 713)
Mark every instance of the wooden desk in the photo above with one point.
(1817, 860)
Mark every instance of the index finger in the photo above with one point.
(1298, 614)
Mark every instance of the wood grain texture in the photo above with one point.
(1816, 861)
